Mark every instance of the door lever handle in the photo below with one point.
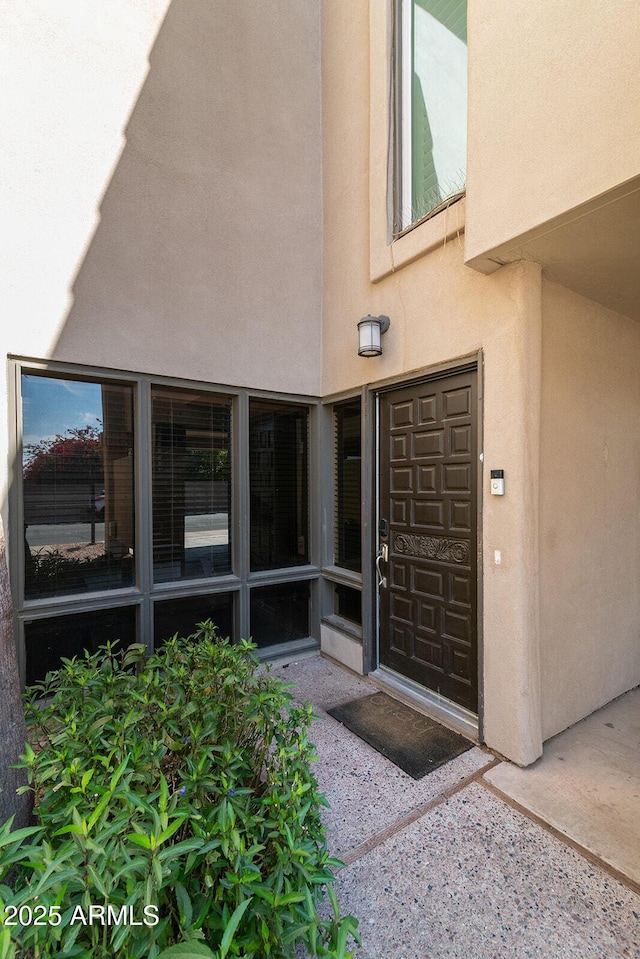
(382, 557)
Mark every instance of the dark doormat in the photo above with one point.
(415, 743)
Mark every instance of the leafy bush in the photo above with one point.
(176, 813)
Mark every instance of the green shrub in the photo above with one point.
(176, 812)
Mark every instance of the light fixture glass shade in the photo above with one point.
(370, 330)
(369, 336)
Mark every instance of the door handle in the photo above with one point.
(382, 557)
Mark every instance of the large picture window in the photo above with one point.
(431, 106)
(142, 507)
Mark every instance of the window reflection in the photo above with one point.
(191, 434)
(348, 603)
(348, 497)
(279, 614)
(47, 640)
(431, 106)
(78, 470)
(181, 616)
(278, 451)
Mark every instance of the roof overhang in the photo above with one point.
(593, 249)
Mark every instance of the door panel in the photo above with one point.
(428, 471)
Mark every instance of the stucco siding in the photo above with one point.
(162, 189)
(589, 507)
(553, 117)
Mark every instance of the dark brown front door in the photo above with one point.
(428, 511)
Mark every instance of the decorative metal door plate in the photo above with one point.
(431, 547)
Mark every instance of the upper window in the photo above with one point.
(431, 107)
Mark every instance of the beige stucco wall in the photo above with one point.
(553, 112)
(161, 187)
(589, 507)
(440, 310)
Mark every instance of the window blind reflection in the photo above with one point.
(348, 494)
(191, 484)
(279, 481)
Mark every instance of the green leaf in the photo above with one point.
(232, 925)
(290, 897)
(334, 901)
(262, 893)
(134, 654)
(187, 950)
(184, 905)
(169, 831)
(343, 935)
(7, 948)
(98, 724)
(54, 872)
(96, 879)
(179, 848)
(118, 773)
(139, 839)
(19, 835)
(164, 796)
(156, 868)
(97, 812)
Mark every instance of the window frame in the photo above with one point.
(332, 574)
(145, 592)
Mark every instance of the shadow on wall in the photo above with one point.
(206, 262)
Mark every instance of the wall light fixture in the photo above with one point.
(370, 330)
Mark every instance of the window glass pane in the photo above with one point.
(191, 442)
(47, 640)
(78, 475)
(181, 616)
(279, 613)
(348, 603)
(434, 83)
(278, 452)
(348, 499)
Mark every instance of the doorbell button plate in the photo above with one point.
(497, 482)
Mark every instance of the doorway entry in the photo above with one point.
(427, 535)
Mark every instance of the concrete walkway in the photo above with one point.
(471, 861)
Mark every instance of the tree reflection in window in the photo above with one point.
(77, 486)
